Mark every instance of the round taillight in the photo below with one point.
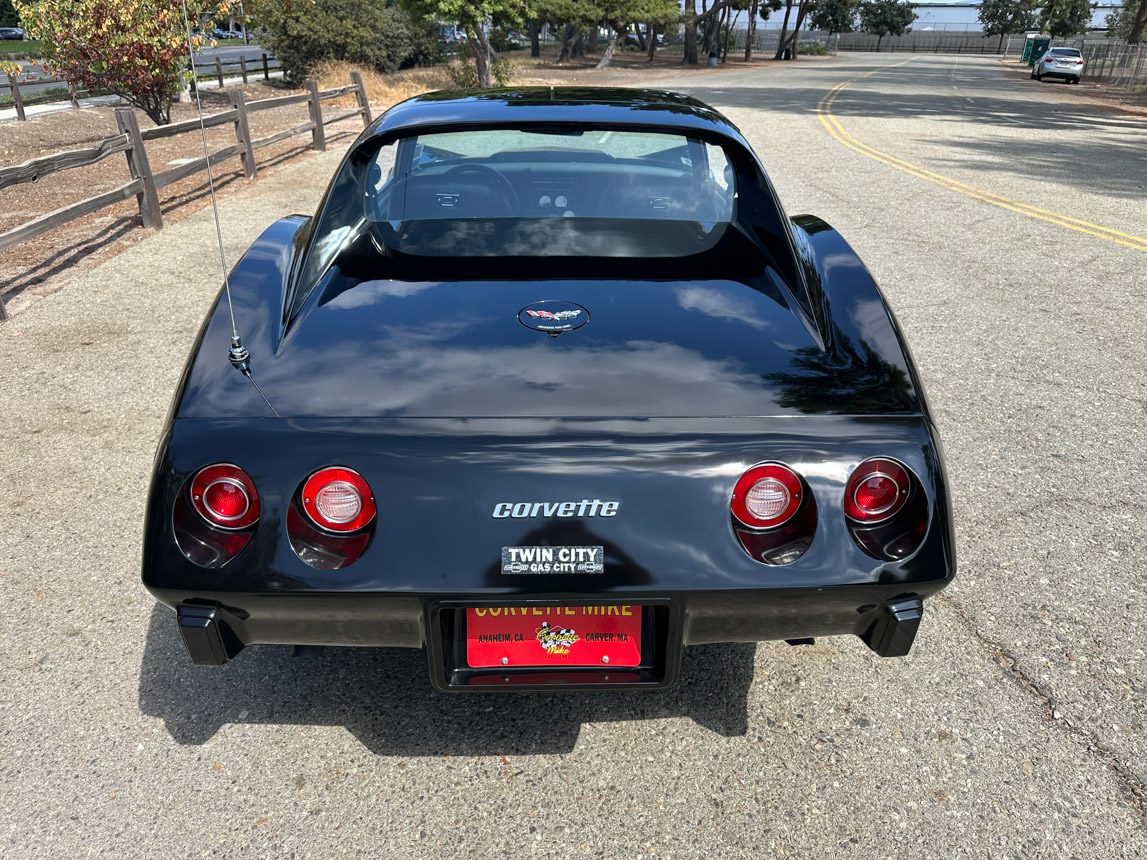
(225, 496)
(338, 500)
(876, 491)
(766, 496)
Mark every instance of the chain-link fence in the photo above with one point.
(923, 42)
(1117, 64)
(1107, 61)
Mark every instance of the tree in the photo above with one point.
(1001, 17)
(534, 26)
(618, 14)
(1140, 23)
(834, 16)
(473, 16)
(690, 14)
(1128, 23)
(8, 16)
(574, 18)
(887, 18)
(757, 8)
(1061, 18)
(784, 38)
(582, 17)
(707, 19)
(787, 46)
(364, 32)
(136, 49)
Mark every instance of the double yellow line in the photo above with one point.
(837, 131)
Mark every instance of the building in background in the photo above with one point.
(963, 17)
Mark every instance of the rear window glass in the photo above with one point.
(551, 173)
(1065, 52)
(477, 204)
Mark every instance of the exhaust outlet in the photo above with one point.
(893, 632)
(208, 640)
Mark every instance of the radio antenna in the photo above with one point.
(237, 354)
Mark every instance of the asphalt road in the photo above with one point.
(1014, 730)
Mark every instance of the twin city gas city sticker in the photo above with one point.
(552, 559)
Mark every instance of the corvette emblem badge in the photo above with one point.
(553, 317)
(556, 640)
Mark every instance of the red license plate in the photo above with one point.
(542, 636)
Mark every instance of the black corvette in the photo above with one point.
(550, 387)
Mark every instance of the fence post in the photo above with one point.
(140, 167)
(14, 81)
(219, 71)
(315, 105)
(243, 133)
(266, 68)
(243, 68)
(360, 94)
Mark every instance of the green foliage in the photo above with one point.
(1061, 18)
(136, 49)
(768, 6)
(662, 14)
(834, 16)
(8, 16)
(812, 49)
(500, 41)
(472, 14)
(577, 13)
(999, 17)
(464, 76)
(887, 17)
(1121, 24)
(370, 33)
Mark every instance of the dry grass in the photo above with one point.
(383, 90)
(629, 69)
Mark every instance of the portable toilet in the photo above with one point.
(1034, 47)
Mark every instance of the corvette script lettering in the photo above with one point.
(565, 510)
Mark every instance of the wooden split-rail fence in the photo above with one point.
(145, 183)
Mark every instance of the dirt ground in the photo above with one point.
(1132, 102)
(91, 239)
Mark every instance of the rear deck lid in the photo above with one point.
(572, 349)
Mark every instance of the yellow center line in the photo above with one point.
(837, 131)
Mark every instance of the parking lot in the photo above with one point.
(1007, 222)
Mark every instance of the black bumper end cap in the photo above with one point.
(207, 638)
(894, 631)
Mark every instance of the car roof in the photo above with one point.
(541, 105)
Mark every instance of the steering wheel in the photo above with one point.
(507, 196)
